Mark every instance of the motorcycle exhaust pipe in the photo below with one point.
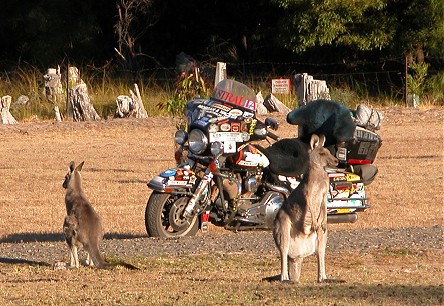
(342, 218)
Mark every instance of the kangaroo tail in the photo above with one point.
(96, 257)
(125, 265)
(100, 262)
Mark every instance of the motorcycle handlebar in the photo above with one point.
(272, 135)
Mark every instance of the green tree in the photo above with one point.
(419, 27)
(361, 25)
(400, 26)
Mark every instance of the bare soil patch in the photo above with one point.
(391, 255)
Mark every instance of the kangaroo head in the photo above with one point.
(71, 170)
(319, 154)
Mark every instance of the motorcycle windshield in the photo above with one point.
(232, 103)
(235, 93)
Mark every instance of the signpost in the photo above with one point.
(280, 86)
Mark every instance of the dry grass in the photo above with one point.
(395, 277)
(121, 155)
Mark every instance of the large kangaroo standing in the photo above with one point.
(300, 226)
(82, 226)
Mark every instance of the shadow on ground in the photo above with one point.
(23, 261)
(54, 237)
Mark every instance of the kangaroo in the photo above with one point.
(82, 226)
(300, 226)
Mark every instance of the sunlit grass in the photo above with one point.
(104, 90)
(397, 277)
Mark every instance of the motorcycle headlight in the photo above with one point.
(217, 148)
(197, 141)
(180, 137)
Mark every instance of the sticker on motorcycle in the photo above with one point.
(234, 113)
(234, 99)
(229, 147)
(168, 173)
(248, 115)
(176, 183)
(235, 127)
(226, 136)
(213, 128)
(245, 137)
(225, 127)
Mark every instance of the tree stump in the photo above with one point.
(6, 116)
(130, 106)
(79, 101)
(274, 105)
(308, 89)
(82, 109)
(260, 108)
(54, 90)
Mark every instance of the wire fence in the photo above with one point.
(367, 78)
(377, 78)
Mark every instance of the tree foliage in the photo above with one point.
(398, 25)
(44, 32)
(361, 24)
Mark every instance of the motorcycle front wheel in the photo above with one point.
(163, 216)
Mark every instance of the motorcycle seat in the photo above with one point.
(288, 157)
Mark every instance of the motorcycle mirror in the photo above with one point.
(272, 123)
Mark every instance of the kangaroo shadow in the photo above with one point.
(57, 237)
(23, 261)
(277, 278)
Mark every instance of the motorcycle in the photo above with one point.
(225, 176)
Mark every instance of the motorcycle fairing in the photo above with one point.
(175, 179)
(225, 123)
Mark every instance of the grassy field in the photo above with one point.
(121, 155)
(391, 277)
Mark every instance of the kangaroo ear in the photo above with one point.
(72, 166)
(321, 140)
(314, 142)
(79, 167)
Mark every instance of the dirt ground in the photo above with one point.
(121, 155)
(391, 255)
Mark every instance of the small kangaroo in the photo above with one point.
(83, 226)
(300, 226)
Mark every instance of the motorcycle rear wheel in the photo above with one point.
(162, 217)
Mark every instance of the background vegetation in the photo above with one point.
(363, 49)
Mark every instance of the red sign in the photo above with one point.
(281, 86)
(233, 99)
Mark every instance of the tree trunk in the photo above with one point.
(82, 109)
(130, 106)
(80, 103)
(6, 116)
(54, 89)
(308, 89)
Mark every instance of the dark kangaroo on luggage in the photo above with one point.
(83, 226)
(300, 226)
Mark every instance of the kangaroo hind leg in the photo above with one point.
(282, 238)
(70, 232)
(321, 247)
(295, 267)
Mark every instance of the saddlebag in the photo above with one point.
(361, 149)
